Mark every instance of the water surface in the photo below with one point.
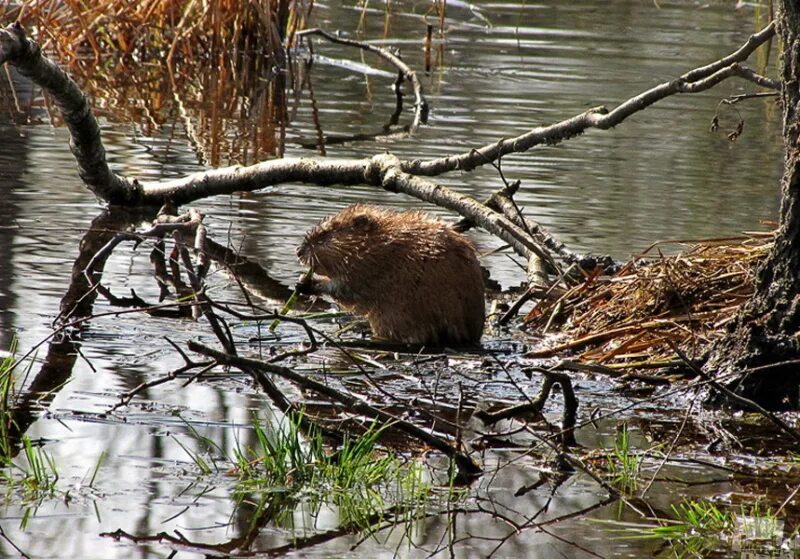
(502, 68)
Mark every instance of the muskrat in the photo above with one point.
(415, 278)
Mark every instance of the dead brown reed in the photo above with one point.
(159, 29)
(629, 320)
(209, 70)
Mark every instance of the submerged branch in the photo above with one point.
(420, 104)
(466, 465)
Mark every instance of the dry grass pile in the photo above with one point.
(630, 319)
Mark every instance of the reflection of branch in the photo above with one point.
(76, 307)
(321, 139)
(465, 464)
(244, 543)
(166, 222)
(388, 131)
(420, 104)
(733, 397)
(12, 544)
(79, 298)
(125, 398)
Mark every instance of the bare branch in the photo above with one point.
(85, 143)
(420, 104)
(227, 180)
(88, 149)
(693, 81)
(523, 243)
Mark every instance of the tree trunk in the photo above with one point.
(764, 348)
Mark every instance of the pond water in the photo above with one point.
(503, 68)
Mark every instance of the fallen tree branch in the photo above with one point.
(693, 81)
(85, 141)
(16, 49)
(534, 408)
(384, 171)
(522, 242)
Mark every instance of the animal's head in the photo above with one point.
(328, 246)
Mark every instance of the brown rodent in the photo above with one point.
(413, 277)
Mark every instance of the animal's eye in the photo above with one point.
(316, 237)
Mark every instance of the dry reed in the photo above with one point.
(630, 320)
(207, 70)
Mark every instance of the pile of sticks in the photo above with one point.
(636, 317)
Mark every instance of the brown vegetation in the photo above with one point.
(635, 318)
(89, 31)
(117, 50)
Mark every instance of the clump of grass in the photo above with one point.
(357, 479)
(33, 474)
(288, 468)
(6, 400)
(702, 517)
(623, 464)
(40, 475)
(700, 527)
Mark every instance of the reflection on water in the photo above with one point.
(659, 175)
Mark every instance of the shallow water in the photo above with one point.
(505, 67)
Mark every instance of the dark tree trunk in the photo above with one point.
(766, 333)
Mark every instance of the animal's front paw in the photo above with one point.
(305, 285)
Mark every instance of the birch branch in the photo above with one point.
(693, 81)
(85, 141)
(87, 146)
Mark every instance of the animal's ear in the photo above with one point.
(363, 223)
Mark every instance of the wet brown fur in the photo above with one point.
(413, 277)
